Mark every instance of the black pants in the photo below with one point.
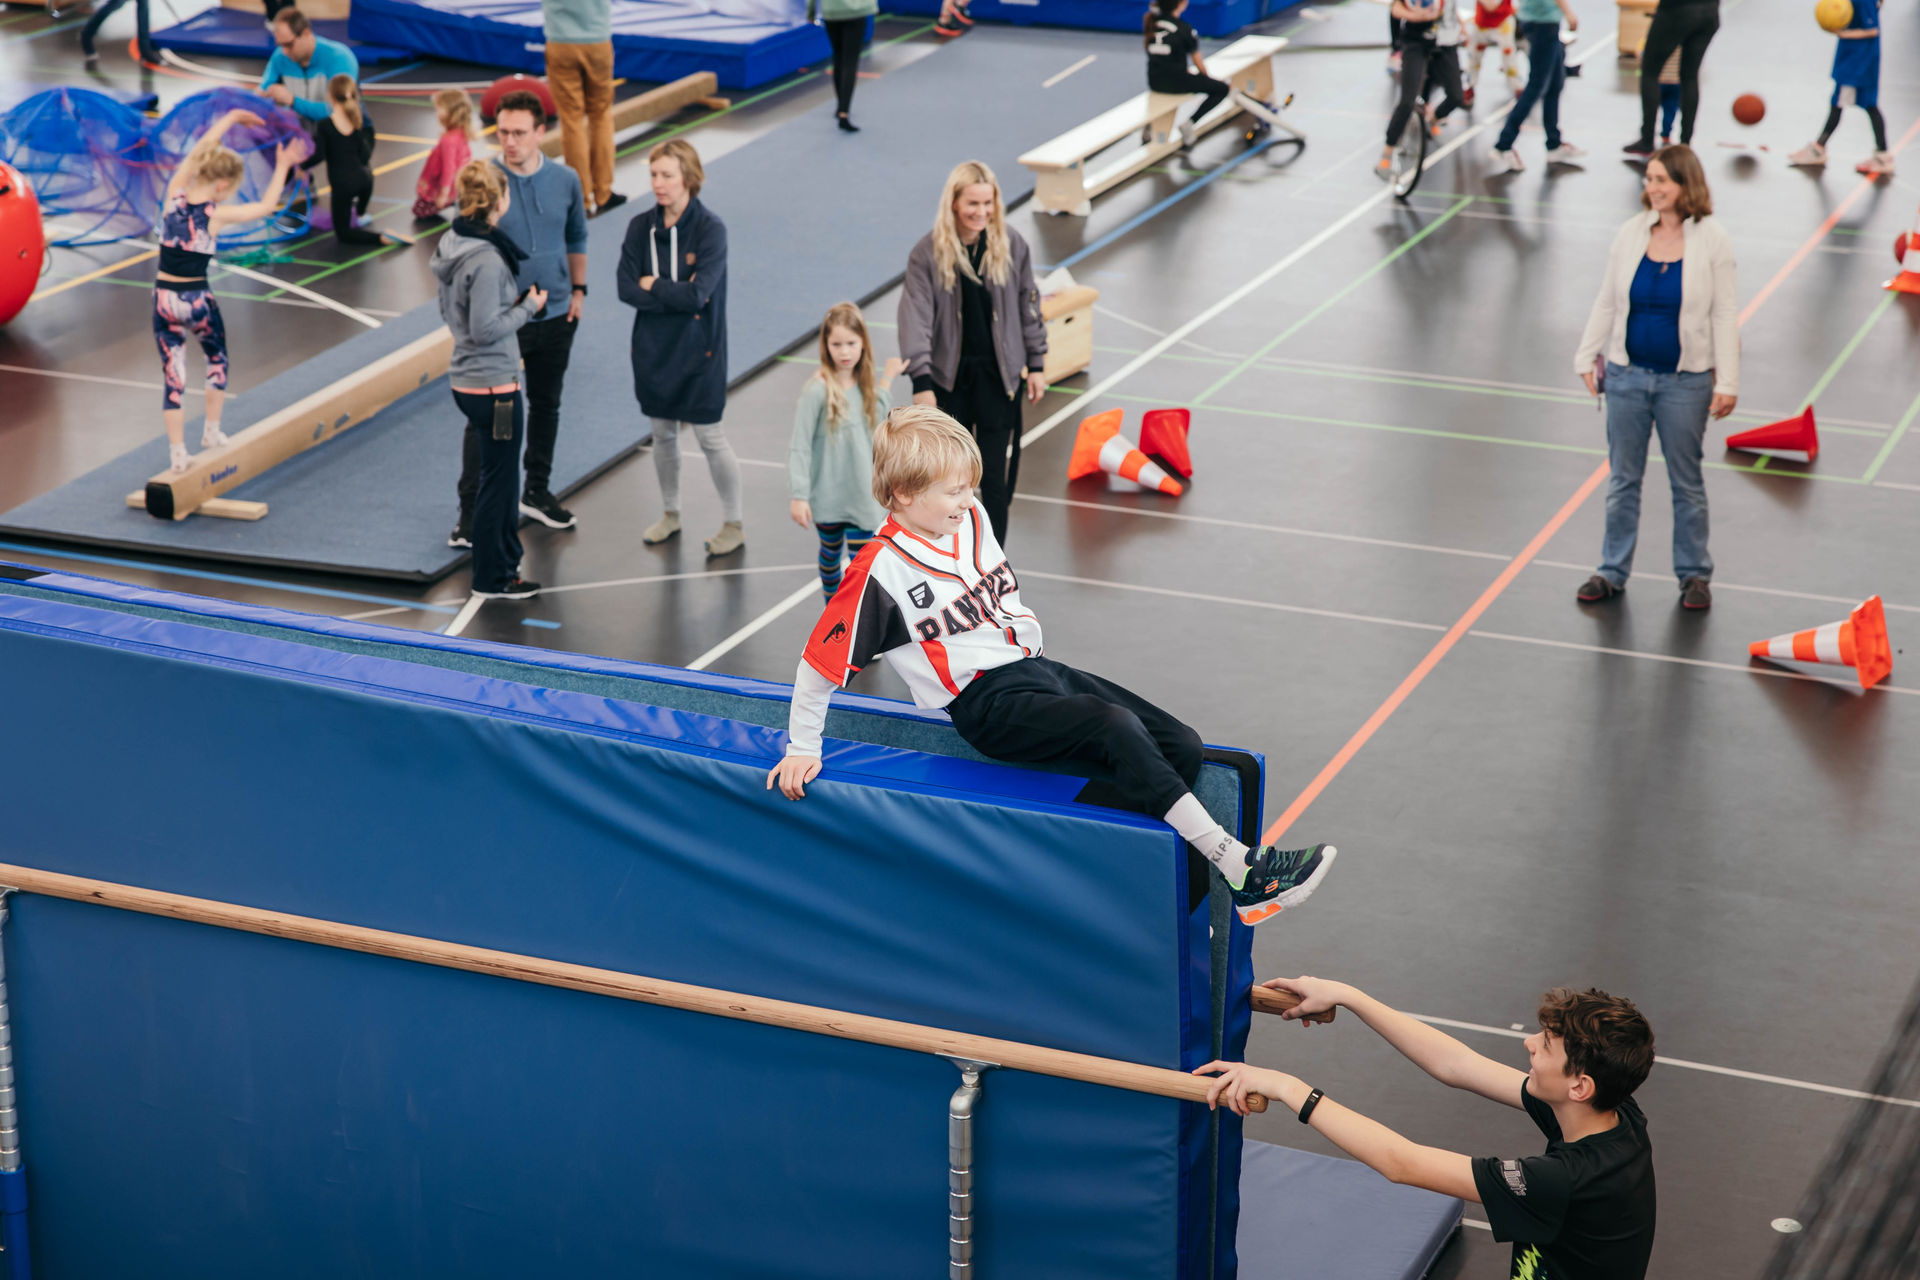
(846, 35)
(496, 507)
(980, 404)
(1688, 28)
(1038, 711)
(1192, 82)
(545, 348)
(142, 23)
(1420, 59)
(349, 196)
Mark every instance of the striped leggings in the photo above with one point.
(833, 539)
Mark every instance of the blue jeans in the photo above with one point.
(1640, 402)
(1546, 74)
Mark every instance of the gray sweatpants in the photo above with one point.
(720, 461)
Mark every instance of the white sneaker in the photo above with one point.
(1566, 153)
(212, 437)
(180, 458)
(1509, 162)
(1187, 136)
(1811, 156)
(1878, 165)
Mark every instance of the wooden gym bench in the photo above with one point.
(1065, 184)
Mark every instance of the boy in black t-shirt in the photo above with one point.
(1582, 1211)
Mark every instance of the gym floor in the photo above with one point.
(1374, 566)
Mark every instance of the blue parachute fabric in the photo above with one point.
(176, 132)
(198, 1102)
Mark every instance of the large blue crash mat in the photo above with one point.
(1305, 1216)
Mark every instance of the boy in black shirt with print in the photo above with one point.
(1582, 1211)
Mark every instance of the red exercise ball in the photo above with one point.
(1749, 108)
(23, 242)
(1900, 248)
(490, 100)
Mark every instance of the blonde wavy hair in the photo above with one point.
(213, 162)
(480, 187)
(844, 315)
(949, 252)
(916, 448)
(454, 111)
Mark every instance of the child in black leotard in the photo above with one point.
(190, 222)
(345, 141)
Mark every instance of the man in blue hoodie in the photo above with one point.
(303, 62)
(547, 218)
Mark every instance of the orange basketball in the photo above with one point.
(1749, 108)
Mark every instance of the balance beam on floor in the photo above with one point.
(655, 104)
(300, 426)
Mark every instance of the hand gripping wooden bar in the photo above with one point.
(621, 986)
(1273, 1000)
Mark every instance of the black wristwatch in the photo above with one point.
(580, 289)
(1306, 1108)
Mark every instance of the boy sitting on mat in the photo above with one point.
(934, 595)
(1582, 1211)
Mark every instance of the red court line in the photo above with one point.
(1385, 710)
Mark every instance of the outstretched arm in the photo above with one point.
(269, 201)
(205, 143)
(1429, 1048)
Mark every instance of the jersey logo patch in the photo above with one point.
(921, 594)
(839, 632)
(1516, 1180)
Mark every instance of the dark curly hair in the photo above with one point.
(1605, 1038)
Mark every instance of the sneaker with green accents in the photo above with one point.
(1280, 878)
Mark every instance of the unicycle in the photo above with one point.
(1410, 153)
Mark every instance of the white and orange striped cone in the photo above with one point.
(1100, 447)
(1859, 642)
(1908, 281)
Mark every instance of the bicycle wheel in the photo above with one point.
(1409, 154)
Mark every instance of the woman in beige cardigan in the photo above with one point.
(1667, 324)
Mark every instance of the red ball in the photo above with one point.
(490, 100)
(23, 242)
(1749, 108)
(1900, 248)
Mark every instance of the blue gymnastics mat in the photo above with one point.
(1305, 1216)
(1209, 17)
(378, 500)
(235, 33)
(743, 42)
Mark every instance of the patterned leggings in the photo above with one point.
(176, 315)
(833, 538)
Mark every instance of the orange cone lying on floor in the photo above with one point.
(1163, 435)
(1788, 434)
(1100, 447)
(1908, 281)
(1859, 642)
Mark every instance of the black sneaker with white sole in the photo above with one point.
(462, 535)
(1280, 878)
(544, 507)
(516, 589)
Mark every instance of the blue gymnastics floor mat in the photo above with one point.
(378, 500)
(235, 33)
(745, 43)
(1209, 17)
(1305, 1216)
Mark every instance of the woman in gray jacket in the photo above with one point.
(474, 263)
(970, 327)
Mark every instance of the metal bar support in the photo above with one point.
(960, 1112)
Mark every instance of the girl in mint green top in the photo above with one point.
(830, 460)
(845, 22)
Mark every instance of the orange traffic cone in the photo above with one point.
(1100, 447)
(1789, 433)
(1859, 642)
(1908, 281)
(1163, 435)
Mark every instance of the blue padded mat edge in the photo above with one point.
(356, 506)
(235, 33)
(1305, 1216)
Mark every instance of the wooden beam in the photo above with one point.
(654, 104)
(225, 508)
(812, 1019)
(300, 426)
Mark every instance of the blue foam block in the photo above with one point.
(1306, 1216)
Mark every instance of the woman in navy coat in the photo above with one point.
(673, 273)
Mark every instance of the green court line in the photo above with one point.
(1325, 303)
(1839, 362)
(1899, 430)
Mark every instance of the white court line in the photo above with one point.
(308, 294)
(1849, 601)
(1111, 314)
(1781, 673)
(676, 577)
(94, 377)
(1251, 604)
(1059, 76)
(752, 629)
(381, 613)
(1757, 1076)
(1895, 484)
(1475, 1222)
(466, 615)
(1267, 528)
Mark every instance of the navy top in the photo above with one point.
(1653, 316)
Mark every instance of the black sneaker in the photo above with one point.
(613, 201)
(1596, 589)
(1280, 878)
(947, 31)
(1640, 150)
(516, 589)
(1695, 594)
(462, 535)
(546, 508)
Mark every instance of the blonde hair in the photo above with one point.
(916, 448)
(692, 172)
(346, 96)
(844, 315)
(949, 252)
(454, 110)
(480, 186)
(210, 161)
(1696, 200)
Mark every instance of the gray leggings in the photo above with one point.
(720, 461)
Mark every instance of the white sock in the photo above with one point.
(1196, 826)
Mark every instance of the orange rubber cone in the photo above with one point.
(1797, 434)
(1859, 642)
(1908, 281)
(1100, 447)
(1163, 435)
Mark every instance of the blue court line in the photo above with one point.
(393, 71)
(1164, 205)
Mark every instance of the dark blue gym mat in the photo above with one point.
(1305, 1216)
(814, 216)
(235, 33)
